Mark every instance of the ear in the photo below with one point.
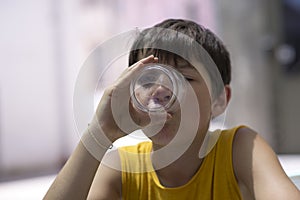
(219, 105)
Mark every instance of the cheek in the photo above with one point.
(203, 101)
(205, 108)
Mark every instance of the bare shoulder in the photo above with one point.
(107, 182)
(258, 170)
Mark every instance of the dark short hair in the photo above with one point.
(147, 40)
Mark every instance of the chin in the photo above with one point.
(163, 137)
(160, 140)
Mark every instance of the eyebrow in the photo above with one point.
(187, 67)
(182, 63)
(184, 66)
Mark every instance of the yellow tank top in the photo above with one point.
(215, 179)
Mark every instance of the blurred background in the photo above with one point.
(44, 43)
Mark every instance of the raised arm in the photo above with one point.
(75, 179)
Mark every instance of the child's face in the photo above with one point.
(196, 105)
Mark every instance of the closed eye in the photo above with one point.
(189, 79)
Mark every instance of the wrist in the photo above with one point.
(96, 145)
(98, 137)
(94, 139)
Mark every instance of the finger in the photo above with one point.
(148, 59)
(141, 63)
(134, 70)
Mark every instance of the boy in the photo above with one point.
(238, 165)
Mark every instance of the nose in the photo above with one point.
(161, 95)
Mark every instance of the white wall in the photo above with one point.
(36, 87)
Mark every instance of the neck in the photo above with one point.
(170, 161)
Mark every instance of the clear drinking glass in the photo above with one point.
(158, 88)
